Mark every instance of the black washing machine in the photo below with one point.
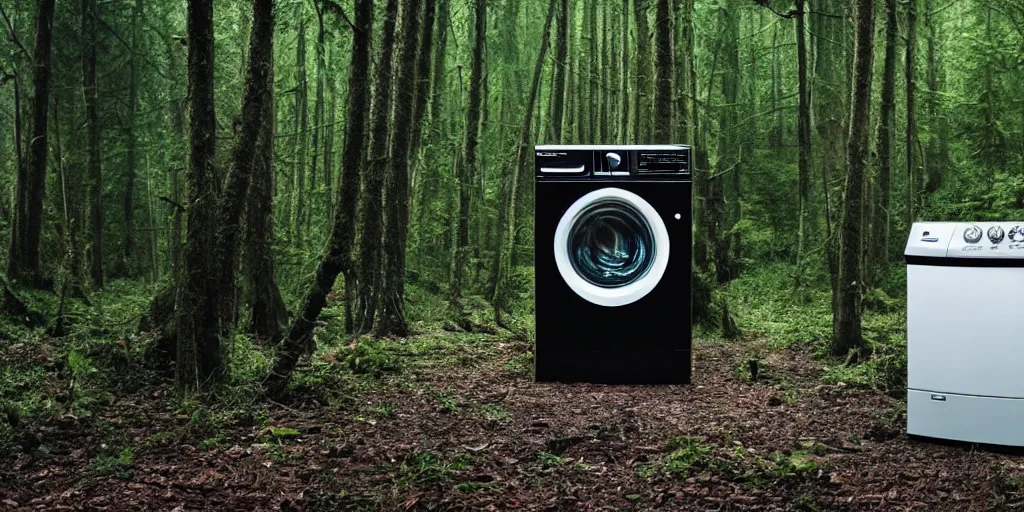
(613, 245)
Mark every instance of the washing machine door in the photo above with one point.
(611, 247)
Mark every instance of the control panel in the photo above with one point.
(652, 162)
(967, 240)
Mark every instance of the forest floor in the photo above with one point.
(453, 421)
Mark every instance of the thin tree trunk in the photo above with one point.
(911, 133)
(642, 109)
(468, 163)
(128, 203)
(880, 237)
(561, 64)
(371, 215)
(848, 336)
(342, 238)
(92, 119)
(23, 263)
(803, 135)
(318, 104)
(629, 135)
(503, 289)
(730, 159)
(298, 193)
(664, 122)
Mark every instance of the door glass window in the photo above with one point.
(611, 244)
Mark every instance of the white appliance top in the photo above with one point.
(996, 239)
(655, 147)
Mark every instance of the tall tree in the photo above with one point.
(268, 312)
(642, 109)
(301, 131)
(197, 312)
(90, 91)
(371, 215)
(338, 256)
(803, 134)
(561, 65)
(128, 201)
(504, 286)
(396, 187)
(880, 235)
(664, 122)
(911, 132)
(847, 336)
(468, 161)
(938, 145)
(23, 262)
(730, 153)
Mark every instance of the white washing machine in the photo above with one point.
(965, 331)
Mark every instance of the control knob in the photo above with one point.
(614, 160)
(995, 235)
(1016, 234)
(972, 235)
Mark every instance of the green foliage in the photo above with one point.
(421, 469)
(108, 463)
(493, 412)
(550, 460)
(373, 357)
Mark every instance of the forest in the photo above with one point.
(278, 254)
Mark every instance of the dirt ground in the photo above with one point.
(466, 429)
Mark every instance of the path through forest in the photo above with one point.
(463, 427)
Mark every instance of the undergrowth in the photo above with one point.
(769, 304)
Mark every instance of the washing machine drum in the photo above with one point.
(611, 247)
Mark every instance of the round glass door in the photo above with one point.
(611, 247)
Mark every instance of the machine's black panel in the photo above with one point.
(647, 341)
(662, 162)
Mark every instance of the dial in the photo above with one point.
(972, 235)
(1016, 234)
(995, 234)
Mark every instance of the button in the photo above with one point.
(972, 235)
(614, 160)
(996, 234)
(1016, 234)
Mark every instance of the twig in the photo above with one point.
(172, 202)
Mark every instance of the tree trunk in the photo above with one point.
(268, 310)
(561, 65)
(298, 192)
(128, 264)
(828, 90)
(396, 188)
(503, 289)
(880, 237)
(803, 136)
(730, 157)
(199, 357)
(642, 109)
(938, 144)
(338, 257)
(92, 120)
(664, 122)
(23, 263)
(318, 103)
(847, 336)
(911, 133)
(370, 218)
(257, 89)
(468, 163)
